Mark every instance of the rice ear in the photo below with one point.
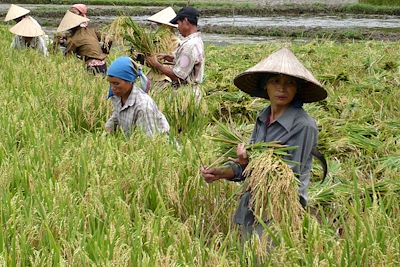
(273, 188)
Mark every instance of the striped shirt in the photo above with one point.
(140, 111)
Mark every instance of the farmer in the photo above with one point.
(79, 9)
(16, 13)
(132, 107)
(83, 42)
(29, 34)
(188, 62)
(33, 35)
(287, 84)
(169, 43)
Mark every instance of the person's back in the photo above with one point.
(29, 34)
(85, 44)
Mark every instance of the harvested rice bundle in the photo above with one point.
(165, 40)
(117, 30)
(141, 39)
(228, 138)
(274, 189)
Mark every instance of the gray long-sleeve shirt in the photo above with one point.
(294, 128)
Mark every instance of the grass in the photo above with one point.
(381, 2)
(72, 195)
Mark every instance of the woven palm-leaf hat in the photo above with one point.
(164, 17)
(27, 27)
(285, 62)
(15, 12)
(70, 20)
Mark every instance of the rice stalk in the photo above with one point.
(165, 40)
(229, 137)
(274, 189)
(117, 30)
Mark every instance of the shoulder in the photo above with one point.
(303, 122)
(141, 100)
(303, 118)
(192, 42)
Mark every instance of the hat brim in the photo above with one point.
(163, 17)
(70, 21)
(250, 83)
(15, 12)
(165, 23)
(27, 27)
(175, 20)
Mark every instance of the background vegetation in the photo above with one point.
(381, 2)
(74, 196)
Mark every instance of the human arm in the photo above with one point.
(71, 47)
(214, 174)
(168, 58)
(231, 171)
(42, 46)
(166, 70)
(112, 122)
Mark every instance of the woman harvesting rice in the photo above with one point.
(132, 107)
(28, 32)
(83, 42)
(283, 80)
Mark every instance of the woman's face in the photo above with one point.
(120, 87)
(281, 89)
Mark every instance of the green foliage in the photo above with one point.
(73, 195)
(381, 2)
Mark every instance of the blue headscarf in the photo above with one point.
(123, 68)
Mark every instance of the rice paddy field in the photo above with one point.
(73, 195)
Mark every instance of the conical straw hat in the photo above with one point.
(164, 17)
(282, 61)
(70, 20)
(15, 12)
(27, 27)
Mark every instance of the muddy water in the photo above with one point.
(305, 22)
(331, 22)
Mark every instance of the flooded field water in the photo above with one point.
(345, 21)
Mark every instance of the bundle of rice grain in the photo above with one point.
(117, 30)
(228, 137)
(165, 40)
(274, 189)
(141, 39)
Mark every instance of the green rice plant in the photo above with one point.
(73, 195)
(184, 112)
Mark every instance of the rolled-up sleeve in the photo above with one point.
(237, 170)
